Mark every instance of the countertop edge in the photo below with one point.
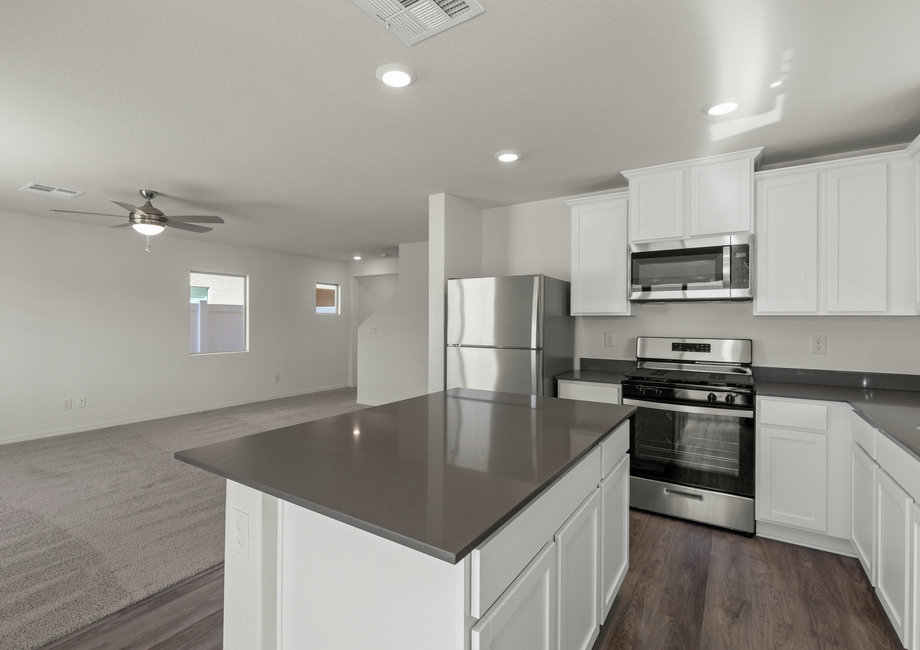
(440, 554)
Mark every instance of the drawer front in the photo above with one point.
(798, 415)
(499, 560)
(589, 391)
(900, 465)
(613, 448)
(863, 434)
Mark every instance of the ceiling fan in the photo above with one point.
(147, 220)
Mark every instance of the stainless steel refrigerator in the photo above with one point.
(511, 334)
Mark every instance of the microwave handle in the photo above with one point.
(727, 267)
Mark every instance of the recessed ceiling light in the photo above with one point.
(722, 106)
(357, 257)
(776, 84)
(396, 75)
(508, 155)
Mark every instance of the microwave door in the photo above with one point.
(681, 274)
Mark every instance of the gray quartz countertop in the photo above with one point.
(895, 412)
(437, 473)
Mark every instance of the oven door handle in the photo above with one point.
(683, 408)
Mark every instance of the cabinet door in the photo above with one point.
(793, 478)
(857, 239)
(914, 622)
(787, 244)
(892, 506)
(525, 615)
(862, 504)
(600, 257)
(614, 533)
(577, 575)
(656, 206)
(720, 197)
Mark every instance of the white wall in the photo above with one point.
(86, 312)
(393, 363)
(535, 237)
(455, 239)
(369, 293)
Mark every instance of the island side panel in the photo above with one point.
(342, 587)
(250, 569)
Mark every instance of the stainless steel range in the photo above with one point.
(693, 441)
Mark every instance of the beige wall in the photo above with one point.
(535, 238)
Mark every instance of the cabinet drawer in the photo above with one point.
(900, 465)
(863, 434)
(613, 448)
(499, 560)
(799, 415)
(589, 391)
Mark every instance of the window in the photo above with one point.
(218, 312)
(327, 298)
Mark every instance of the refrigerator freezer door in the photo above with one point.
(508, 371)
(504, 312)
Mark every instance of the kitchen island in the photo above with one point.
(451, 520)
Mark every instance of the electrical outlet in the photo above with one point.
(277, 378)
(67, 405)
(819, 344)
(610, 339)
(81, 402)
(239, 532)
(372, 331)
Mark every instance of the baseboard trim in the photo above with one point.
(166, 414)
(364, 402)
(805, 538)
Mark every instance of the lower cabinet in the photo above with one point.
(862, 527)
(589, 391)
(794, 479)
(561, 597)
(614, 535)
(893, 530)
(914, 623)
(525, 615)
(578, 574)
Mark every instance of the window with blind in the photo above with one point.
(327, 298)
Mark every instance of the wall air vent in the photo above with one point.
(416, 20)
(49, 190)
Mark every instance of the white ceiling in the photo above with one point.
(269, 113)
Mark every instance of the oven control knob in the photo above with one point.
(711, 397)
(641, 390)
(730, 399)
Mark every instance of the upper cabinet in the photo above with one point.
(600, 256)
(694, 198)
(837, 238)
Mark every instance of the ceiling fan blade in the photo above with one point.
(187, 226)
(98, 214)
(130, 208)
(184, 218)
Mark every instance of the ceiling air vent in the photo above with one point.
(416, 20)
(49, 190)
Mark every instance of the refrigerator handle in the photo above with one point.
(535, 316)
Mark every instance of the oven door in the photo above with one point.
(696, 446)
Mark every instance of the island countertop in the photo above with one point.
(438, 473)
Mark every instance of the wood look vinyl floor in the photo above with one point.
(689, 587)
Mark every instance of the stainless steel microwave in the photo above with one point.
(706, 269)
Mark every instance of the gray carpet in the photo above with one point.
(92, 522)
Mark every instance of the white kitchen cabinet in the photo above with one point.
(786, 244)
(578, 575)
(802, 479)
(862, 527)
(720, 197)
(600, 256)
(794, 466)
(589, 391)
(526, 614)
(857, 238)
(693, 198)
(656, 205)
(893, 528)
(614, 490)
(913, 638)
